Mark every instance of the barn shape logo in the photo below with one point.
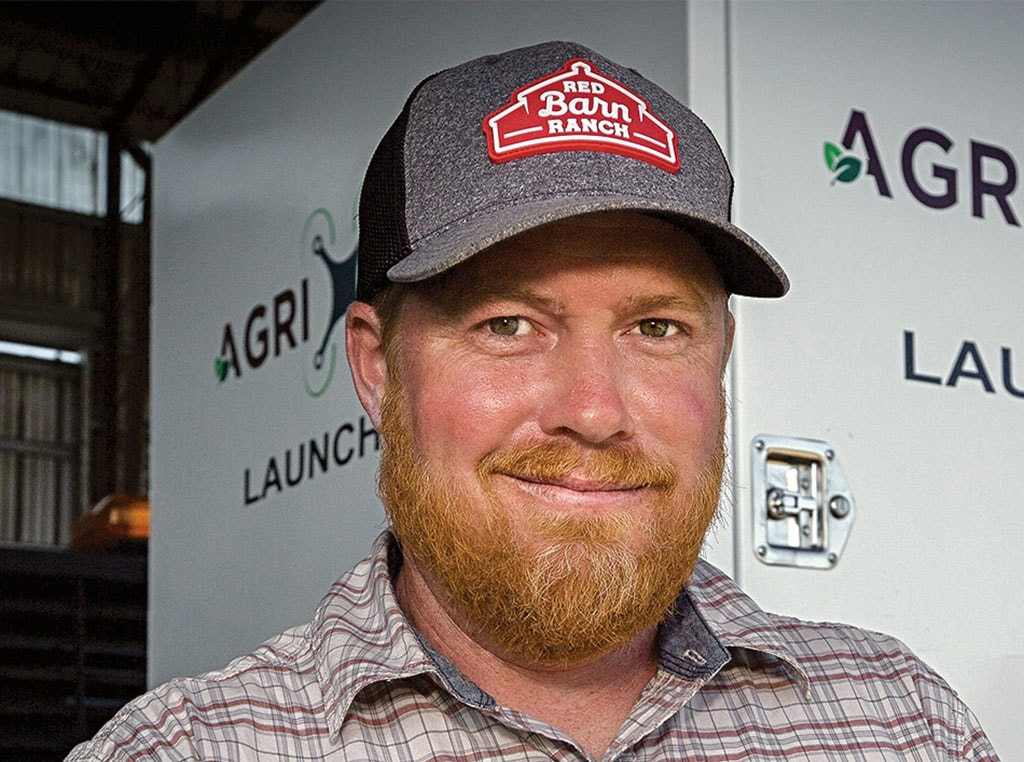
(579, 109)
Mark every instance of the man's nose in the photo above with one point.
(587, 397)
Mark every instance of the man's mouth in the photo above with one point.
(564, 476)
(576, 483)
(574, 493)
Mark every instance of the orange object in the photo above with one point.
(115, 520)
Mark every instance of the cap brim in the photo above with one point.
(747, 268)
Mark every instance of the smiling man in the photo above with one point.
(545, 264)
(552, 414)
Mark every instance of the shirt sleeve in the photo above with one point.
(976, 747)
(155, 726)
(955, 727)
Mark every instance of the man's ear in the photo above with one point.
(365, 348)
(730, 332)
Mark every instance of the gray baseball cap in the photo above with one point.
(507, 142)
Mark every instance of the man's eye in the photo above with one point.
(505, 326)
(657, 328)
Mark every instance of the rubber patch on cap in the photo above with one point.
(579, 109)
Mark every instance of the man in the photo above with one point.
(542, 328)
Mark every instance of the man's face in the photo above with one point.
(553, 432)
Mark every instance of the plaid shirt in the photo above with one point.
(733, 683)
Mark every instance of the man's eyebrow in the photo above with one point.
(690, 301)
(476, 295)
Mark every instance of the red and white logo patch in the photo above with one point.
(579, 109)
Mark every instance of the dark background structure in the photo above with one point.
(135, 68)
(73, 624)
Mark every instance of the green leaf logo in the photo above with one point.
(220, 367)
(845, 169)
(832, 152)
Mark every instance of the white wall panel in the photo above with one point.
(934, 554)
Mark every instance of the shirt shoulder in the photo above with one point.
(847, 681)
(294, 689)
(812, 650)
(184, 718)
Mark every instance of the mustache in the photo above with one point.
(621, 467)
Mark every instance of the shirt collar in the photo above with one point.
(739, 623)
(360, 635)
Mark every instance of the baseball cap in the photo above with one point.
(505, 143)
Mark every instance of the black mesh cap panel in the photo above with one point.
(383, 238)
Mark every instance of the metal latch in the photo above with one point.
(803, 508)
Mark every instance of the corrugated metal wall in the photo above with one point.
(47, 259)
(55, 291)
(40, 437)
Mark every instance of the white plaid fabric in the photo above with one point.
(734, 683)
